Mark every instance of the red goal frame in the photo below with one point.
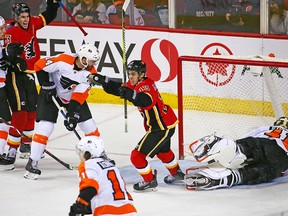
(226, 59)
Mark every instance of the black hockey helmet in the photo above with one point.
(137, 65)
(282, 121)
(19, 8)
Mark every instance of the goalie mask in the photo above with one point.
(282, 121)
(92, 144)
(212, 149)
(90, 52)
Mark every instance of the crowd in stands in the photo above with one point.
(230, 15)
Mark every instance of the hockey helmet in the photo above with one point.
(2, 21)
(19, 8)
(92, 144)
(137, 65)
(282, 121)
(90, 52)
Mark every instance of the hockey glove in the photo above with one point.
(48, 89)
(72, 120)
(53, 2)
(19, 65)
(3, 65)
(97, 79)
(78, 208)
(127, 93)
(12, 50)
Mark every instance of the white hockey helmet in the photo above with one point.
(282, 121)
(92, 144)
(2, 21)
(90, 52)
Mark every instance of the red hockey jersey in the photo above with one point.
(27, 37)
(158, 115)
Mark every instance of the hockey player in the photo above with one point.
(257, 158)
(102, 189)
(63, 77)
(159, 122)
(8, 55)
(21, 87)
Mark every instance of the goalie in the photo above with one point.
(259, 157)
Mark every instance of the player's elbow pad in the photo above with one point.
(142, 100)
(87, 194)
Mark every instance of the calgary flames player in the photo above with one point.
(20, 81)
(64, 77)
(159, 121)
(102, 190)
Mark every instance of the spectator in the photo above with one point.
(243, 16)
(71, 4)
(278, 18)
(89, 11)
(163, 15)
(116, 9)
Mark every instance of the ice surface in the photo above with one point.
(57, 188)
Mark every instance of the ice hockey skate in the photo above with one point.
(147, 186)
(25, 150)
(7, 161)
(174, 179)
(32, 171)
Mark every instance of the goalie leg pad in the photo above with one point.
(211, 178)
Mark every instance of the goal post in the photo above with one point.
(229, 95)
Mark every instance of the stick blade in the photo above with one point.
(125, 5)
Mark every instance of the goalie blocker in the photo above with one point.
(259, 157)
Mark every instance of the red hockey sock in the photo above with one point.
(29, 126)
(138, 159)
(169, 160)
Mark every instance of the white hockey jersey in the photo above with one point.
(112, 198)
(70, 84)
(278, 133)
(2, 72)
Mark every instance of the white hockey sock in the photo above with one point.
(37, 150)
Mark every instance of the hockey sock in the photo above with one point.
(38, 146)
(29, 126)
(138, 159)
(170, 161)
(19, 120)
(3, 137)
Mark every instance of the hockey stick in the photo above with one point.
(72, 18)
(62, 111)
(124, 8)
(68, 166)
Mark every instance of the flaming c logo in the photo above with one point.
(161, 58)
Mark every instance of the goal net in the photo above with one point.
(228, 96)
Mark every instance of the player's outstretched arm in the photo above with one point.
(51, 10)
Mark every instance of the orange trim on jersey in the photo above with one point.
(85, 181)
(3, 135)
(42, 63)
(94, 133)
(80, 200)
(93, 71)
(117, 210)
(80, 97)
(40, 139)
